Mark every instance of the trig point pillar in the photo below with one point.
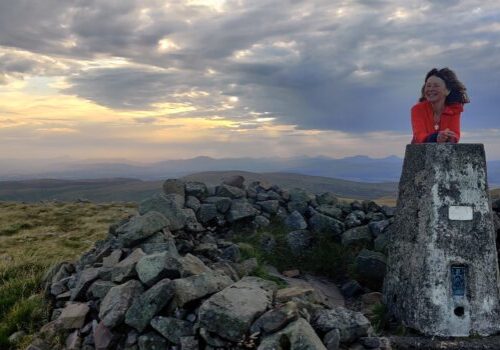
(442, 272)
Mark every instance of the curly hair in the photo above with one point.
(458, 91)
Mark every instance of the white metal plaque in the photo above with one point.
(460, 212)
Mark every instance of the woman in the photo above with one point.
(436, 118)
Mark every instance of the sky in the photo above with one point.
(151, 80)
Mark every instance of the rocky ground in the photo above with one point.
(171, 278)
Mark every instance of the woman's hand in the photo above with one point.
(447, 136)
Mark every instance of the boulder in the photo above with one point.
(270, 206)
(319, 223)
(355, 218)
(168, 206)
(371, 267)
(116, 303)
(125, 269)
(196, 189)
(152, 341)
(241, 209)
(230, 192)
(230, 312)
(207, 213)
(154, 267)
(295, 221)
(172, 329)
(327, 198)
(235, 181)
(297, 335)
(222, 204)
(377, 227)
(73, 315)
(275, 319)
(84, 281)
(141, 227)
(147, 305)
(351, 324)
(198, 286)
(357, 236)
(193, 203)
(173, 186)
(99, 289)
(330, 210)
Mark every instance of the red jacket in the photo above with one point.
(422, 120)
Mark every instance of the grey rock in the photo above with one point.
(351, 288)
(356, 205)
(222, 204)
(299, 241)
(207, 213)
(235, 181)
(381, 242)
(297, 335)
(231, 312)
(154, 267)
(388, 211)
(377, 227)
(192, 224)
(230, 192)
(116, 303)
(141, 227)
(371, 216)
(232, 253)
(351, 324)
(172, 329)
(125, 269)
(261, 221)
(147, 305)
(103, 337)
(371, 267)
(173, 186)
(198, 286)
(275, 319)
(269, 206)
(332, 339)
(73, 315)
(320, 223)
(370, 206)
(112, 259)
(213, 340)
(226, 268)
(246, 267)
(355, 218)
(327, 198)
(301, 207)
(295, 221)
(168, 206)
(196, 189)
(99, 289)
(241, 209)
(152, 341)
(330, 210)
(357, 236)
(85, 279)
(208, 250)
(189, 343)
(73, 341)
(370, 342)
(267, 242)
(193, 203)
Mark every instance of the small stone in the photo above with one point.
(332, 339)
(291, 273)
(73, 315)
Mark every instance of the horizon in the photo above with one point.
(154, 81)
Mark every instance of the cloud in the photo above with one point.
(326, 65)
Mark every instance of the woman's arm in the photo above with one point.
(420, 134)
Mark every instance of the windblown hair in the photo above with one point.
(458, 91)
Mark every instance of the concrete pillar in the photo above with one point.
(442, 271)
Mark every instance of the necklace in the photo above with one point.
(436, 127)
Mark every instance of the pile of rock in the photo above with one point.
(170, 278)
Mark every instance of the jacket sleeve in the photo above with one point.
(418, 125)
(455, 120)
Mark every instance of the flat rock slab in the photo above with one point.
(423, 343)
(73, 315)
(231, 312)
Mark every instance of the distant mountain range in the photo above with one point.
(357, 168)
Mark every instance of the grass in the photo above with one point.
(34, 237)
(326, 257)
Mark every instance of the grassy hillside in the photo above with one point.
(132, 190)
(34, 237)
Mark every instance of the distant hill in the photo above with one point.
(123, 189)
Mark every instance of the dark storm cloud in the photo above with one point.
(318, 65)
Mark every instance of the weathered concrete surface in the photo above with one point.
(426, 243)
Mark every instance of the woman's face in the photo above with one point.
(435, 89)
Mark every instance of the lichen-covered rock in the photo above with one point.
(116, 303)
(297, 335)
(168, 206)
(269, 206)
(231, 312)
(147, 305)
(295, 221)
(141, 227)
(330, 210)
(198, 286)
(222, 204)
(351, 324)
(241, 209)
(196, 189)
(357, 236)
(172, 328)
(125, 269)
(230, 192)
(320, 223)
(152, 341)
